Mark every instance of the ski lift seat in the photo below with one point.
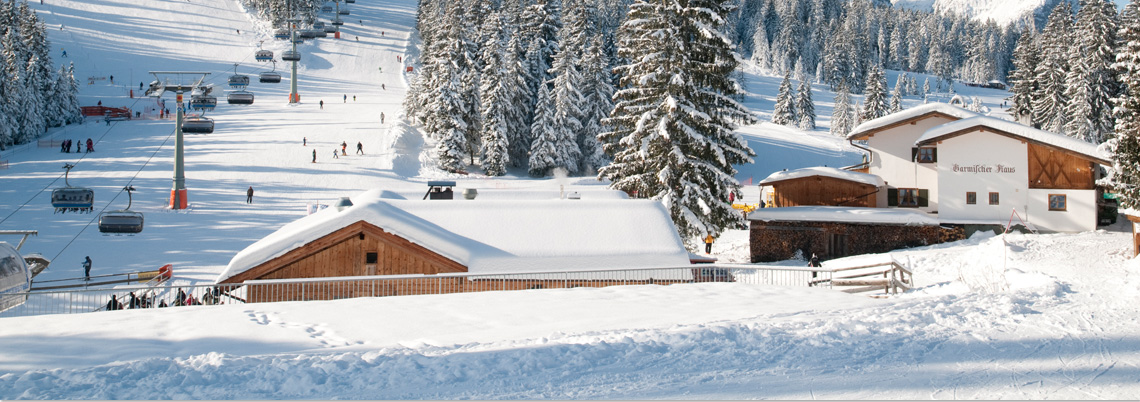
(337, 22)
(281, 34)
(198, 124)
(240, 98)
(291, 55)
(203, 102)
(326, 9)
(269, 77)
(350, 1)
(238, 80)
(73, 197)
(121, 221)
(263, 55)
(343, 11)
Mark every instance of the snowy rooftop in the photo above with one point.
(892, 216)
(908, 114)
(1019, 130)
(836, 173)
(499, 236)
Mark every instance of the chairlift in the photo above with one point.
(349, 1)
(197, 124)
(203, 102)
(269, 77)
(337, 22)
(240, 98)
(281, 34)
(326, 9)
(74, 199)
(263, 55)
(330, 28)
(123, 220)
(238, 80)
(343, 11)
(291, 55)
(318, 25)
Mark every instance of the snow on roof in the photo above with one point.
(836, 173)
(499, 236)
(1020, 130)
(892, 216)
(908, 114)
(601, 193)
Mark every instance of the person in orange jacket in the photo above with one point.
(708, 243)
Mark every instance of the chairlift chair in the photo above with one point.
(240, 98)
(269, 77)
(318, 25)
(239, 80)
(343, 11)
(330, 28)
(349, 1)
(326, 9)
(76, 199)
(290, 55)
(197, 124)
(337, 22)
(203, 102)
(281, 34)
(123, 220)
(263, 55)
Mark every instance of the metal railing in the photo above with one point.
(91, 300)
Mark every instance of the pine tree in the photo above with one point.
(1023, 78)
(70, 89)
(1091, 83)
(495, 99)
(1124, 178)
(522, 114)
(806, 107)
(673, 137)
(785, 111)
(598, 93)
(841, 118)
(896, 99)
(544, 155)
(449, 108)
(1049, 101)
(876, 100)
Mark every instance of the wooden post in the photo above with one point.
(1135, 234)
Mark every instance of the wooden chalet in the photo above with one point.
(823, 186)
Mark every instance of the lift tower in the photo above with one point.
(178, 82)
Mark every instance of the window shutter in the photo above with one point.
(913, 154)
(934, 154)
(923, 198)
(892, 197)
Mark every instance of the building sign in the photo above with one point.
(983, 169)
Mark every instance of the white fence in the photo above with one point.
(93, 300)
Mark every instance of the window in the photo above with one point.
(926, 155)
(370, 258)
(993, 198)
(908, 197)
(1058, 202)
(971, 198)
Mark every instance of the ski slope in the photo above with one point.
(1044, 316)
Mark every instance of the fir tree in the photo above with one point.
(876, 101)
(673, 137)
(1023, 78)
(1124, 178)
(544, 155)
(495, 99)
(806, 107)
(1091, 83)
(1049, 101)
(785, 112)
(841, 118)
(598, 93)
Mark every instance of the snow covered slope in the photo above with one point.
(1001, 11)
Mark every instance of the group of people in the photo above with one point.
(336, 155)
(148, 301)
(65, 146)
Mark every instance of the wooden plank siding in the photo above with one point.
(823, 190)
(1050, 168)
(343, 253)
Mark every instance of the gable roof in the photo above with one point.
(1015, 130)
(835, 173)
(498, 236)
(905, 116)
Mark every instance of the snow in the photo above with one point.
(908, 114)
(836, 173)
(498, 236)
(1020, 317)
(935, 134)
(891, 216)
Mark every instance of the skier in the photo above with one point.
(249, 195)
(708, 243)
(64, 52)
(354, 98)
(384, 87)
(322, 104)
(140, 85)
(314, 156)
(335, 154)
(381, 117)
(304, 141)
(90, 145)
(359, 148)
(87, 268)
(343, 148)
(112, 80)
(345, 98)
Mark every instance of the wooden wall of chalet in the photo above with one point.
(1052, 168)
(344, 253)
(778, 241)
(822, 190)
